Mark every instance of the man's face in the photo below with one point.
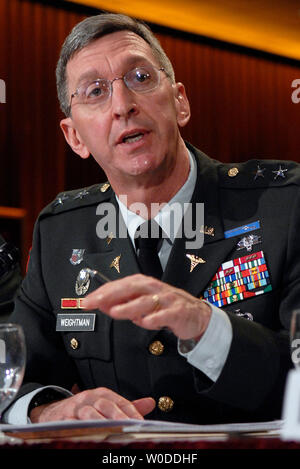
(103, 130)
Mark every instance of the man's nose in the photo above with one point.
(123, 102)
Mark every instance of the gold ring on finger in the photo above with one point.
(155, 298)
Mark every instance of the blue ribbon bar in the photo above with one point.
(242, 229)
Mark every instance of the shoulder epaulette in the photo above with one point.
(259, 173)
(72, 200)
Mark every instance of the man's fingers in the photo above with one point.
(145, 405)
(135, 309)
(117, 411)
(120, 291)
(99, 403)
(112, 406)
(88, 412)
(107, 409)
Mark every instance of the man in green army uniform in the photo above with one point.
(200, 336)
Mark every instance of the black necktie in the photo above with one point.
(147, 239)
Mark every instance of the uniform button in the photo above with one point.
(156, 348)
(165, 404)
(74, 343)
(232, 172)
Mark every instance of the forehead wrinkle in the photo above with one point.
(91, 73)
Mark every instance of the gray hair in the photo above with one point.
(93, 28)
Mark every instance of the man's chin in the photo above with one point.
(141, 165)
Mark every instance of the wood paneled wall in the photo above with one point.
(240, 99)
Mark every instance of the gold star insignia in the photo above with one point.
(116, 263)
(195, 260)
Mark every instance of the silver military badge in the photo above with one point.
(248, 241)
(77, 256)
(82, 282)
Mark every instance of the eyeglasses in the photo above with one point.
(140, 80)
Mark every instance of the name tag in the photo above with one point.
(75, 322)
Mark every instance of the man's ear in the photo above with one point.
(182, 104)
(73, 137)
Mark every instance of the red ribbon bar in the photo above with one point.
(250, 257)
(71, 303)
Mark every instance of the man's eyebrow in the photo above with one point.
(133, 60)
(92, 74)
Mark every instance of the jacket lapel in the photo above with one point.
(116, 257)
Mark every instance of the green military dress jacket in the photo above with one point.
(258, 198)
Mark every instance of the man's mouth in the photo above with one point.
(133, 138)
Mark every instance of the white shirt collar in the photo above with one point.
(170, 216)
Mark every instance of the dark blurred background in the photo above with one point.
(238, 78)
